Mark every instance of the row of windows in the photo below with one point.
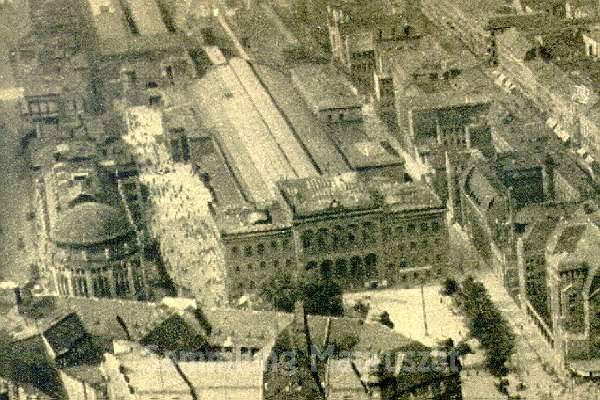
(101, 284)
(421, 245)
(41, 107)
(262, 266)
(424, 260)
(454, 141)
(261, 248)
(97, 253)
(400, 231)
(411, 228)
(339, 237)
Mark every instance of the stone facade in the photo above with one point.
(351, 236)
(574, 287)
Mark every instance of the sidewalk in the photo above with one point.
(530, 348)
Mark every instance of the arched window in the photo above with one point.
(326, 267)
(337, 237)
(323, 239)
(356, 270)
(351, 234)
(341, 269)
(307, 239)
(121, 281)
(368, 233)
(371, 266)
(310, 265)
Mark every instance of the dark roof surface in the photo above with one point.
(570, 236)
(63, 335)
(90, 223)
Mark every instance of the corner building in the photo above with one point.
(96, 253)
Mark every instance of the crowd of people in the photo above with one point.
(178, 208)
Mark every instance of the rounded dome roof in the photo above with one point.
(90, 223)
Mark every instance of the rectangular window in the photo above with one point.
(52, 107)
(34, 107)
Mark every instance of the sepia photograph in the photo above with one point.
(299, 199)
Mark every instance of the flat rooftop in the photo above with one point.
(351, 191)
(327, 194)
(369, 154)
(469, 86)
(324, 87)
(130, 26)
(233, 220)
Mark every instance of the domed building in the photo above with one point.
(96, 253)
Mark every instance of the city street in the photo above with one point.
(531, 352)
(16, 231)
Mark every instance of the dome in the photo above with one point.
(90, 223)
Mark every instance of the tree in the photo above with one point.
(323, 297)
(320, 297)
(449, 287)
(281, 291)
(487, 324)
(384, 319)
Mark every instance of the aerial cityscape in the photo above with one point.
(299, 199)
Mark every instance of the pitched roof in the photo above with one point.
(368, 14)
(342, 376)
(255, 329)
(482, 185)
(326, 194)
(225, 376)
(367, 154)
(537, 234)
(113, 319)
(90, 374)
(575, 241)
(372, 337)
(64, 333)
(532, 213)
(138, 365)
(568, 239)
